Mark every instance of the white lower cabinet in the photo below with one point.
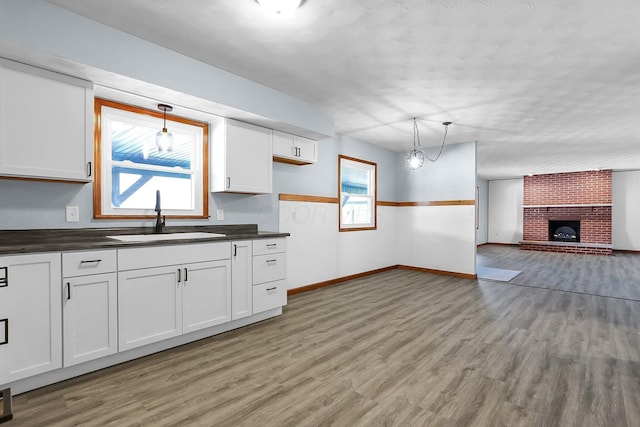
(30, 315)
(149, 307)
(156, 303)
(90, 317)
(206, 295)
(241, 279)
(269, 273)
(61, 309)
(89, 305)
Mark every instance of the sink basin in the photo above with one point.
(168, 236)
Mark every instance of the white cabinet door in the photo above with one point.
(149, 306)
(46, 124)
(241, 279)
(283, 146)
(293, 149)
(90, 316)
(307, 149)
(206, 294)
(241, 158)
(30, 313)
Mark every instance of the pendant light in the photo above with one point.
(415, 157)
(164, 138)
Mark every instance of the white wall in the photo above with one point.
(312, 248)
(482, 235)
(505, 211)
(438, 238)
(626, 210)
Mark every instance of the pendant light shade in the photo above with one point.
(164, 138)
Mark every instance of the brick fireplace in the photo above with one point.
(578, 199)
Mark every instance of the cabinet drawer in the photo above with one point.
(269, 246)
(267, 268)
(269, 295)
(159, 256)
(88, 262)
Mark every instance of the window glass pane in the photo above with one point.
(139, 168)
(357, 193)
(356, 210)
(133, 168)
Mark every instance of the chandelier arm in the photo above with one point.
(446, 127)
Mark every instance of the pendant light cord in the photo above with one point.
(417, 134)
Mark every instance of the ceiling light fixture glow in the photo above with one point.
(280, 7)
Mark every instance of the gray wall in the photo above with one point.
(447, 179)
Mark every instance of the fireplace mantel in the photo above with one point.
(586, 205)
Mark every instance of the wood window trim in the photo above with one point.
(375, 194)
(97, 182)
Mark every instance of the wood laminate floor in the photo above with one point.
(399, 348)
(616, 276)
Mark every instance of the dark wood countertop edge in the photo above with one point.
(68, 240)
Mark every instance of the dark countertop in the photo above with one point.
(75, 239)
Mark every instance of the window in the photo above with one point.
(130, 169)
(357, 180)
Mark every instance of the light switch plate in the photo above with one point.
(73, 213)
(220, 214)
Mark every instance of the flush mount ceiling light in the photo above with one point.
(415, 157)
(164, 138)
(280, 7)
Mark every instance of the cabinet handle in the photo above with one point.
(235, 250)
(6, 331)
(89, 169)
(271, 245)
(4, 280)
(89, 261)
(228, 182)
(185, 275)
(68, 290)
(269, 261)
(179, 275)
(272, 289)
(298, 151)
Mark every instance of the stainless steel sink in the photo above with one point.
(159, 237)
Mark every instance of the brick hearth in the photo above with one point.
(583, 196)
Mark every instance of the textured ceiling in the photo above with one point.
(542, 85)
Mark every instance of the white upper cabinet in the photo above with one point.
(46, 124)
(241, 158)
(294, 149)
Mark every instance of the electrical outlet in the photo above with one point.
(72, 213)
(220, 214)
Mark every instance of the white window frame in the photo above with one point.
(372, 187)
(108, 111)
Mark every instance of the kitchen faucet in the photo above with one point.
(160, 224)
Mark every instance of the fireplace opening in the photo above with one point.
(564, 231)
